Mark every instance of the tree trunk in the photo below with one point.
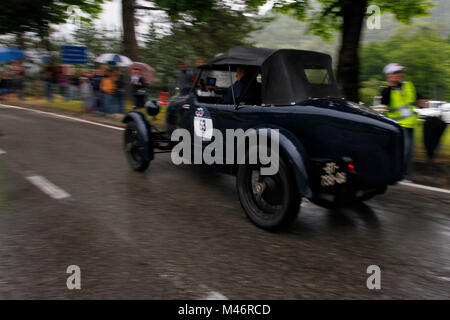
(129, 33)
(20, 41)
(353, 13)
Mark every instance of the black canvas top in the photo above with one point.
(285, 72)
(240, 55)
(285, 79)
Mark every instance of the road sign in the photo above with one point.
(74, 54)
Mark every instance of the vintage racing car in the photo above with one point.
(331, 151)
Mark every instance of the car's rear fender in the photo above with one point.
(145, 133)
(294, 152)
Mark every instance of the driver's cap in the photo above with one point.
(393, 67)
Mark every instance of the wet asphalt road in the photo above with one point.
(180, 233)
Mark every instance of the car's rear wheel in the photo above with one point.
(270, 202)
(133, 148)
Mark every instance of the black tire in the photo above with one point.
(133, 146)
(277, 206)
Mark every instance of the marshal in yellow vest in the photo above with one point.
(402, 105)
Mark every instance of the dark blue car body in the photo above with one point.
(315, 129)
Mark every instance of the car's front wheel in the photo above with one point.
(133, 148)
(270, 202)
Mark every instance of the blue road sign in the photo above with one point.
(74, 54)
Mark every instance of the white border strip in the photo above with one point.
(2, 151)
(63, 117)
(421, 186)
(47, 187)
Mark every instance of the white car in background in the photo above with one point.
(440, 109)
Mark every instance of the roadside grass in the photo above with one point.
(443, 154)
(76, 106)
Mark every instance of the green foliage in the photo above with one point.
(287, 32)
(201, 10)
(98, 40)
(325, 17)
(199, 39)
(366, 95)
(19, 16)
(420, 48)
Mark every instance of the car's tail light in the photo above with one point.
(350, 164)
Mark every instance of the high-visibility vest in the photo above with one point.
(401, 107)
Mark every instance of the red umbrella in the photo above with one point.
(147, 72)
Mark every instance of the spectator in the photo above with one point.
(120, 90)
(139, 88)
(47, 77)
(86, 94)
(2, 86)
(74, 85)
(19, 85)
(63, 82)
(184, 79)
(108, 87)
(96, 79)
(6, 85)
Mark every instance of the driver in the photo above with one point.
(246, 88)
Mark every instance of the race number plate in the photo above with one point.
(332, 175)
(203, 125)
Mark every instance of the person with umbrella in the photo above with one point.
(7, 55)
(116, 60)
(96, 79)
(108, 87)
(139, 87)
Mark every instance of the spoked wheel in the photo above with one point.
(270, 202)
(133, 148)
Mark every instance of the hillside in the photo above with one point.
(287, 32)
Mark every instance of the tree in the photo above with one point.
(420, 48)
(98, 40)
(36, 16)
(198, 9)
(225, 28)
(129, 33)
(346, 17)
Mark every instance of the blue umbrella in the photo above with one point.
(11, 54)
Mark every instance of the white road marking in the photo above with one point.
(421, 186)
(214, 295)
(413, 185)
(63, 117)
(2, 151)
(47, 187)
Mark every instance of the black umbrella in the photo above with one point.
(433, 129)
